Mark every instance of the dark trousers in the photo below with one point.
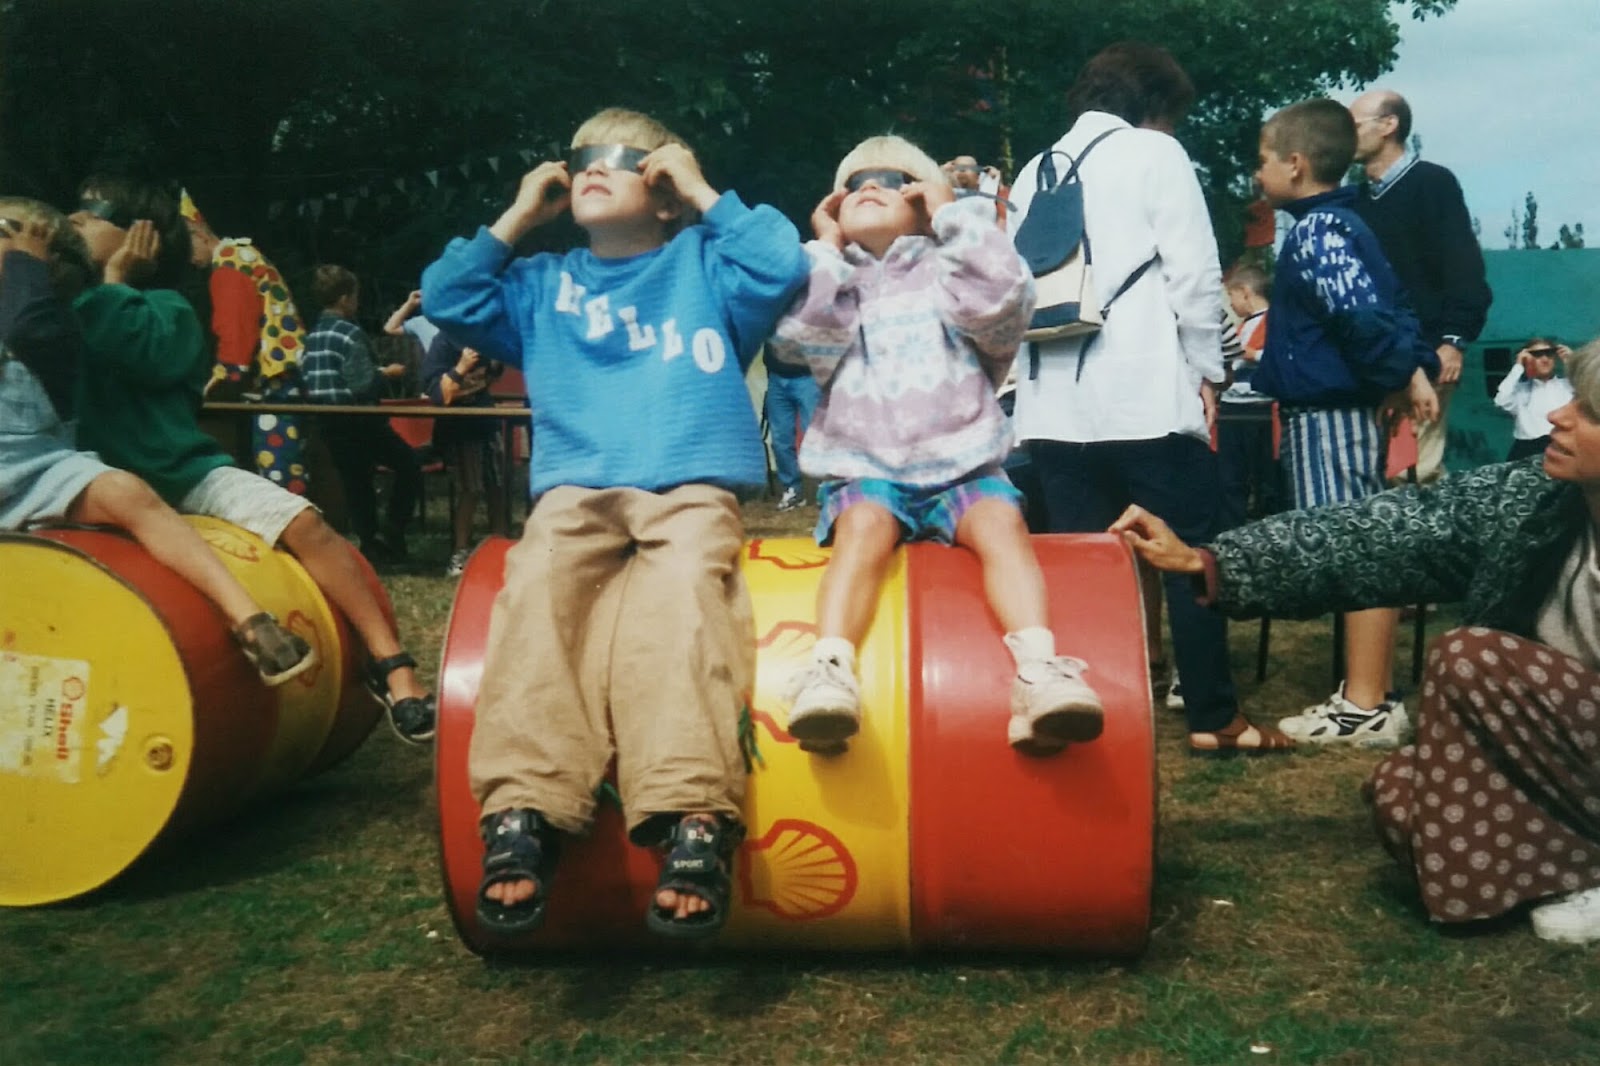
(1086, 486)
(360, 444)
(1246, 465)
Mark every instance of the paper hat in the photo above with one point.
(188, 210)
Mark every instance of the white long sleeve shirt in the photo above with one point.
(1142, 372)
(1531, 401)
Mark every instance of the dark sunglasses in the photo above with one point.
(884, 178)
(104, 210)
(614, 156)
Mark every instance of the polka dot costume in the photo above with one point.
(1498, 801)
(275, 323)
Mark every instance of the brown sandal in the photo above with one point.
(1240, 738)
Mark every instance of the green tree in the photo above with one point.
(291, 121)
(1530, 222)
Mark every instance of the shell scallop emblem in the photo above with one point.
(229, 542)
(798, 870)
(791, 554)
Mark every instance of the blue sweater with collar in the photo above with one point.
(1340, 332)
(635, 366)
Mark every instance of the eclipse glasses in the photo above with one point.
(614, 156)
(105, 211)
(885, 178)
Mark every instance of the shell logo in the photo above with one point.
(793, 555)
(230, 543)
(805, 873)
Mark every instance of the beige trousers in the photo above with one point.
(624, 626)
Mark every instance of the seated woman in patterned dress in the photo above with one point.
(1497, 803)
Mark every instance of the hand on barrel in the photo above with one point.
(1155, 542)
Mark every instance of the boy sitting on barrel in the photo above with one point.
(624, 626)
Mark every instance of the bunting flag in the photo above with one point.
(494, 163)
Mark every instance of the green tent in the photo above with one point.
(1537, 293)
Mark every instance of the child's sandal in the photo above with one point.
(519, 845)
(277, 653)
(412, 718)
(699, 864)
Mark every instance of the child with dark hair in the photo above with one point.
(145, 366)
(1341, 343)
(340, 369)
(45, 478)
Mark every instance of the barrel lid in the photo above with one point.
(96, 723)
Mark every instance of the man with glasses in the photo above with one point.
(1417, 211)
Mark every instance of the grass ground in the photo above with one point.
(312, 930)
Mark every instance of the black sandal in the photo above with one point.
(519, 845)
(412, 718)
(701, 856)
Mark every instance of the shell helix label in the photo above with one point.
(41, 715)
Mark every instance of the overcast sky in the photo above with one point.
(1501, 92)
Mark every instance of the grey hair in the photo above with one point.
(1583, 370)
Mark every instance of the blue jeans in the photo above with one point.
(1086, 486)
(789, 405)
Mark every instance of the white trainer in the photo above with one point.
(1175, 696)
(1573, 919)
(1052, 705)
(1338, 721)
(824, 703)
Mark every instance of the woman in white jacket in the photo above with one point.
(1123, 417)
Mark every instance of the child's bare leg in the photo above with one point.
(864, 539)
(123, 500)
(326, 557)
(824, 696)
(994, 530)
(1051, 704)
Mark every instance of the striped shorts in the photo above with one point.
(1332, 455)
(930, 512)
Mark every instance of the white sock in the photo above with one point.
(1034, 644)
(835, 648)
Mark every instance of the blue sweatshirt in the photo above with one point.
(1341, 333)
(635, 366)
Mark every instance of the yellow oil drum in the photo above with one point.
(930, 832)
(127, 713)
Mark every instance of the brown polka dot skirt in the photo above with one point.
(1498, 801)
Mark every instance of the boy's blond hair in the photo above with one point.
(889, 153)
(618, 125)
(70, 269)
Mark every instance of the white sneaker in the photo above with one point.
(790, 499)
(458, 562)
(1338, 721)
(1573, 919)
(824, 704)
(1052, 705)
(1175, 696)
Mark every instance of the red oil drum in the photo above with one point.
(930, 832)
(127, 713)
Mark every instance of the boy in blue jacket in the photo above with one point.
(624, 624)
(1342, 345)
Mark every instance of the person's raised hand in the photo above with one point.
(825, 219)
(135, 259)
(925, 198)
(1155, 542)
(673, 169)
(544, 193)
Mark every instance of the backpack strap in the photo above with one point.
(1047, 166)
